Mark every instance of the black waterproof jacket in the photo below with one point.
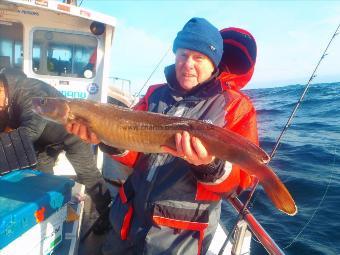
(20, 90)
(49, 138)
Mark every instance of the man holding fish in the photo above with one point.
(171, 202)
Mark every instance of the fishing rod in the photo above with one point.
(243, 211)
(153, 71)
(302, 95)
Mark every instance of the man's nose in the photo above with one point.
(189, 62)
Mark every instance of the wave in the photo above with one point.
(268, 111)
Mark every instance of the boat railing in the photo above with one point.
(267, 242)
(123, 84)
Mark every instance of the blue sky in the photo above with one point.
(290, 35)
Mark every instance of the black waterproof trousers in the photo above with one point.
(82, 159)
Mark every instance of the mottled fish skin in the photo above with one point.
(147, 132)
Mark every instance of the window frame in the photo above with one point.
(57, 30)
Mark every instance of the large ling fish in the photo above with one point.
(146, 132)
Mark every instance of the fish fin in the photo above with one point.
(229, 146)
(81, 121)
(277, 191)
(71, 214)
(181, 125)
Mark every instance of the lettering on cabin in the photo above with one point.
(74, 94)
(28, 12)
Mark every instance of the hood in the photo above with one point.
(239, 57)
(11, 77)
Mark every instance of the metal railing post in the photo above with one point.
(256, 228)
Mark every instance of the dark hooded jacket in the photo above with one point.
(20, 90)
(50, 138)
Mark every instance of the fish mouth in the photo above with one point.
(51, 109)
(37, 110)
(36, 103)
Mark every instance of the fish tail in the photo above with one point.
(276, 190)
(229, 146)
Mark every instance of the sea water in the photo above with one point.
(307, 161)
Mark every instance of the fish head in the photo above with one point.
(53, 109)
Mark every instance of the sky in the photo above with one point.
(291, 37)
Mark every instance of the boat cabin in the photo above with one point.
(64, 45)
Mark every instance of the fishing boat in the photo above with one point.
(69, 47)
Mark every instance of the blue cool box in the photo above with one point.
(27, 197)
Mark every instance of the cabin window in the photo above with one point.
(64, 54)
(11, 50)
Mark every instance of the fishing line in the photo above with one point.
(288, 125)
(278, 141)
(318, 207)
(240, 216)
(153, 71)
(302, 96)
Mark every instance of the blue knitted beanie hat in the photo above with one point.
(200, 35)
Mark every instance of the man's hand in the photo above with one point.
(82, 132)
(191, 149)
(8, 129)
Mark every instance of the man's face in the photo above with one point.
(3, 114)
(2, 97)
(192, 68)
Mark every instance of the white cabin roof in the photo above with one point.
(72, 10)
